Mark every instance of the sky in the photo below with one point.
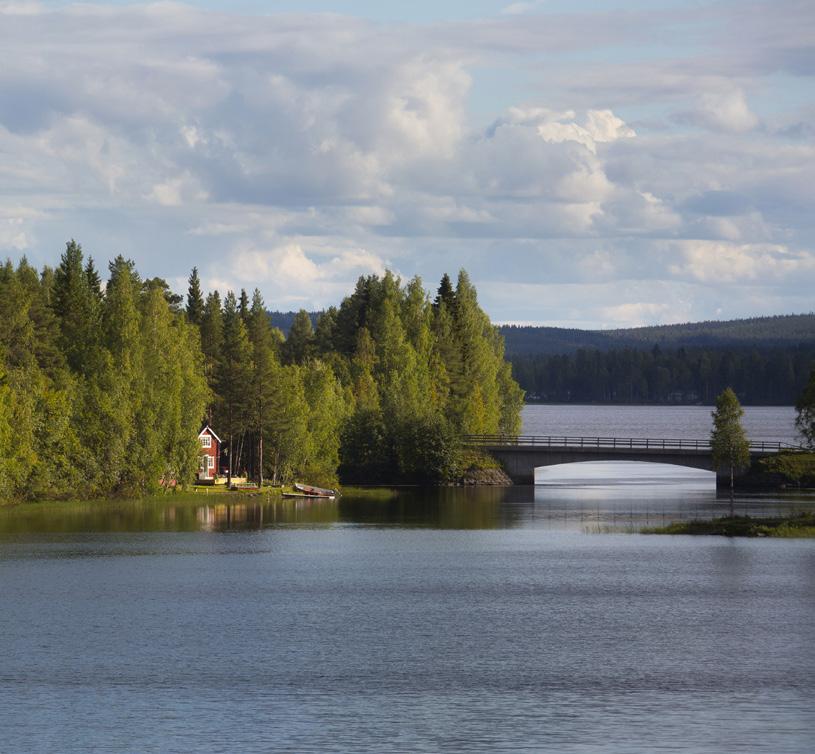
(590, 163)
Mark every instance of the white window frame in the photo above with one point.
(206, 441)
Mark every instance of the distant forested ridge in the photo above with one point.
(766, 360)
(769, 376)
(103, 389)
(764, 332)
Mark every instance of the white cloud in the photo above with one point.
(177, 191)
(723, 109)
(286, 274)
(640, 314)
(298, 151)
(521, 8)
(598, 126)
(721, 262)
(13, 234)
(21, 8)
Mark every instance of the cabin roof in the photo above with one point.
(209, 429)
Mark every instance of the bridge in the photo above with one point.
(520, 455)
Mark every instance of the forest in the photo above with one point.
(759, 376)
(751, 333)
(104, 388)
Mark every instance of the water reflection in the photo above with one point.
(600, 499)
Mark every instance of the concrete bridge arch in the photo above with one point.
(520, 456)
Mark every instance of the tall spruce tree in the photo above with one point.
(195, 299)
(212, 339)
(299, 346)
(233, 378)
(243, 306)
(264, 366)
(75, 305)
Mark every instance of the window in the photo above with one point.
(206, 441)
(210, 462)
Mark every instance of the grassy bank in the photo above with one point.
(799, 526)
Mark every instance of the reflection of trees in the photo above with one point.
(257, 515)
(442, 508)
(162, 515)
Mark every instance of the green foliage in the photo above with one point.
(421, 375)
(729, 445)
(233, 374)
(195, 299)
(365, 451)
(426, 450)
(114, 413)
(805, 412)
(300, 344)
(104, 391)
(77, 308)
(798, 468)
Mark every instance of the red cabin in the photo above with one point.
(210, 455)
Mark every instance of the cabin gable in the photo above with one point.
(209, 455)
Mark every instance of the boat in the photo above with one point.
(314, 491)
(306, 495)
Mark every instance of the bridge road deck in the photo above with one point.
(520, 455)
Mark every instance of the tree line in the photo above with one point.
(766, 376)
(378, 390)
(103, 389)
(754, 332)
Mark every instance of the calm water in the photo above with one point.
(456, 620)
(771, 423)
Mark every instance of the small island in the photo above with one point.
(800, 526)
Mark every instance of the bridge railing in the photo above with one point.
(650, 443)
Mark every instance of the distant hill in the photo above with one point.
(283, 320)
(783, 330)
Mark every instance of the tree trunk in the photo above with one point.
(229, 465)
(260, 460)
(732, 485)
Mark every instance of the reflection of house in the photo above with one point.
(210, 454)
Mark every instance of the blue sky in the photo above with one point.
(592, 164)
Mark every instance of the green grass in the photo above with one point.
(799, 526)
(370, 493)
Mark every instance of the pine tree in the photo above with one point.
(118, 385)
(325, 331)
(243, 306)
(75, 305)
(728, 441)
(233, 377)
(45, 328)
(299, 346)
(212, 338)
(94, 281)
(195, 299)
(445, 294)
(264, 366)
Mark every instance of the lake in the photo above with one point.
(490, 620)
